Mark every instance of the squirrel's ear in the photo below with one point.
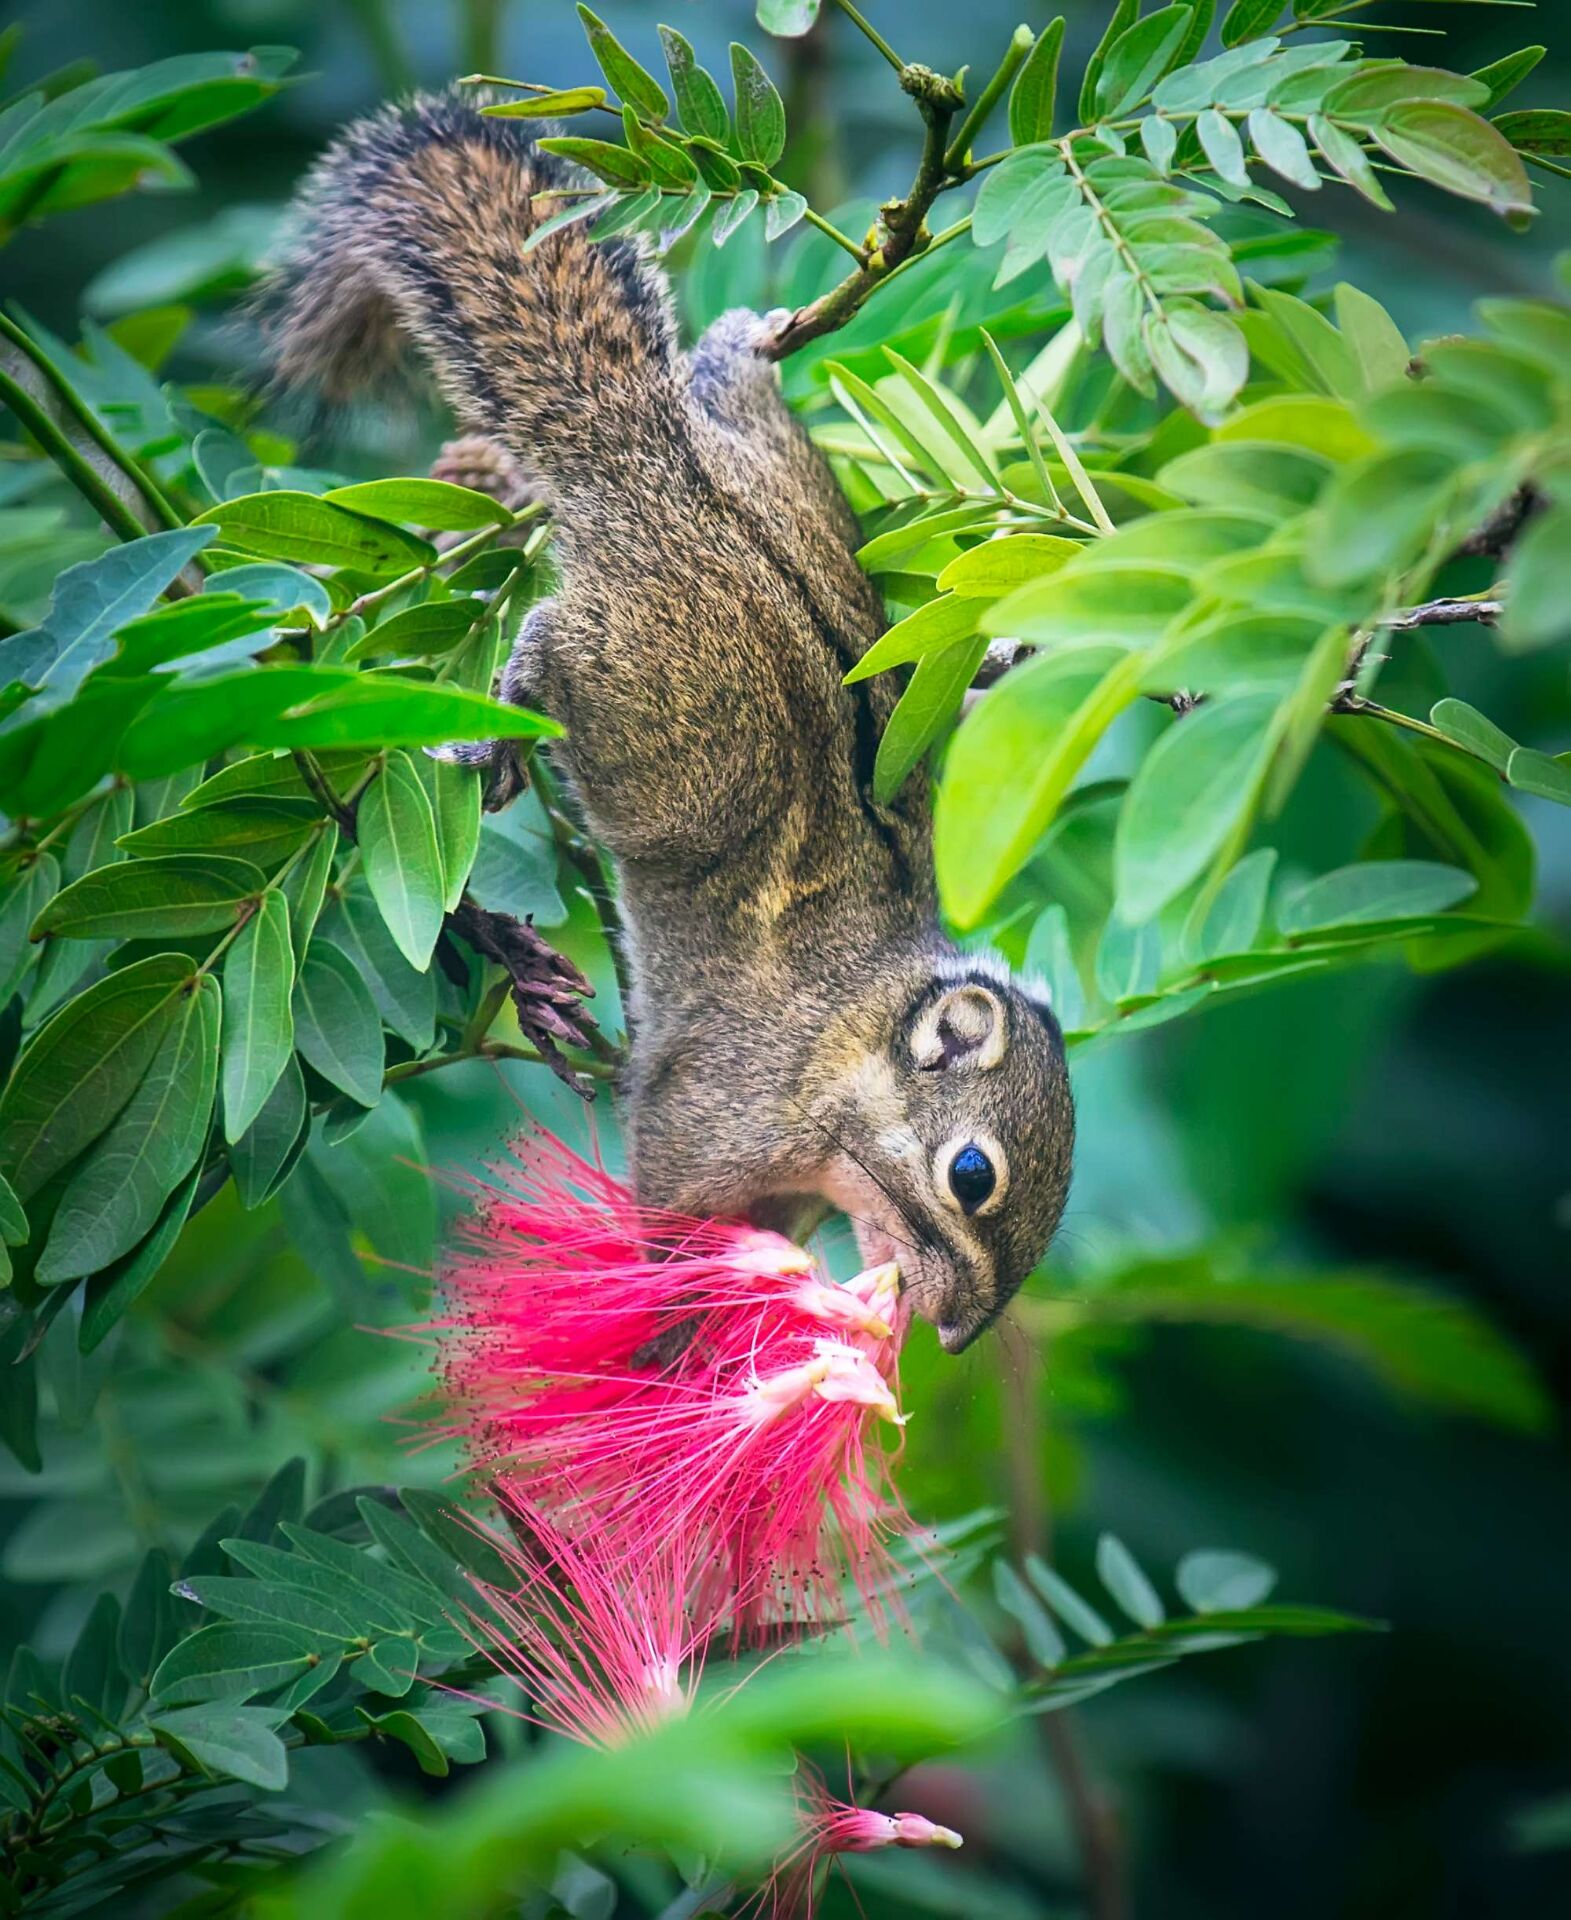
(967, 1026)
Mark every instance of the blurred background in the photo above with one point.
(1368, 1123)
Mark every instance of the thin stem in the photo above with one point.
(320, 789)
(494, 1050)
(940, 239)
(854, 15)
(105, 502)
(454, 555)
(1092, 1818)
(840, 239)
(90, 423)
(1014, 56)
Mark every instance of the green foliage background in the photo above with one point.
(1309, 1300)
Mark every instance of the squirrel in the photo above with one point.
(804, 1034)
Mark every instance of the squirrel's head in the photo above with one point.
(950, 1130)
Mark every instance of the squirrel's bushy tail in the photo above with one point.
(412, 227)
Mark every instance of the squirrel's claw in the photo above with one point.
(506, 775)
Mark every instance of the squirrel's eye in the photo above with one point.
(971, 1177)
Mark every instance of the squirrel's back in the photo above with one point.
(413, 227)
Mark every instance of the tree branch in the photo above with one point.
(900, 233)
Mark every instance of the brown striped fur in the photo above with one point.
(803, 1030)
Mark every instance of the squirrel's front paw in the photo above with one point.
(506, 776)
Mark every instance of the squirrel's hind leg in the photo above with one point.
(523, 682)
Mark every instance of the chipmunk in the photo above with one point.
(803, 1032)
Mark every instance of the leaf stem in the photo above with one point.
(840, 239)
(463, 551)
(854, 15)
(1014, 56)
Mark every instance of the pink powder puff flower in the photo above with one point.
(657, 1384)
(830, 1827)
(602, 1655)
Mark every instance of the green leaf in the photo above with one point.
(1538, 773)
(262, 831)
(336, 1025)
(1538, 583)
(267, 1150)
(273, 1605)
(1077, 1614)
(1123, 17)
(1504, 76)
(19, 1402)
(1212, 1581)
(89, 605)
(999, 566)
(1374, 337)
(13, 1221)
(435, 626)
(1247, 18)
(698, 100)
(389, 1666)
(396, 832)
(1027, 191)
(1451, 147)
(148, 899)
(1121, 1574)
(454, 794)
(117, 1193)
(615, 165)
(237, 1743)
(406, 1728)
(1043, 1640)
(437, 504)
(1473, 730)
(308, 530)
(1010, 764)
(80, 1069)
(558, 103)
(147, 1628)
(305, 888)
(930, 629)
(1032, 97)
(1379, 514)
(1374, 890)
(1222, 147)
(92, 1671)
(1050, 958)
(1138, 58)
(1342, 153)
(1283, 148)
(231, 1661)
(639, 89)
(760, 113)
(273, 776)
(1232, 921)
(787, 18)
(1189, 792)
(405, 996)
(259, 978)
(284, 706)
(1379, 85)
(111, 1293)
(1131, 605)
(29, 893)
(930, 701)
(460, 1534)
